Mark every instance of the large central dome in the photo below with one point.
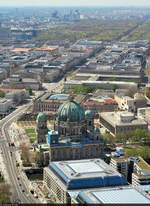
(71, 112)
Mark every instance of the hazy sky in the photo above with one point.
(75, 2)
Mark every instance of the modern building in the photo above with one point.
(121, 122)
(121, 164)
(115, 196)
(141, 174)
(66, 177)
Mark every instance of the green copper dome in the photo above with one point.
(89, 114)
(41, 117)
(70, 112)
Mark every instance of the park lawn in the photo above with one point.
(144, 152)
(31, 135)
(30, 130)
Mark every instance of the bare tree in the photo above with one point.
(5, 193)
(25, 151)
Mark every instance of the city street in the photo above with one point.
(20, 191)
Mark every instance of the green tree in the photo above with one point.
(108, 139)
(2, 94)
(140, 134)
(122, 138)
(147, 92)
(29, 89)
(114, 87)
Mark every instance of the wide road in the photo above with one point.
(20, 192)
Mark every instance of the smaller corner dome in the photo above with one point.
(97, 130)
(89, 114)
(41, 117)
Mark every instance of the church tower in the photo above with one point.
(41, 128)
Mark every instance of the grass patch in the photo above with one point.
(26, 164)
(31, 135)
(31, 130)
(144, 152)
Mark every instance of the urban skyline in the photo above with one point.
(78, 3)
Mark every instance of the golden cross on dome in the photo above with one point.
(70, 96)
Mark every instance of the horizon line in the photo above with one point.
(112, 6)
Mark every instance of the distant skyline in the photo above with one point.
(18, 3)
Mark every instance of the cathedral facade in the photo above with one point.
(74, 135)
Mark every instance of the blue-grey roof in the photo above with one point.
(144, 187)
(118, 195)
(59, 97)
(81, 174)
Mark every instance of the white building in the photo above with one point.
(5, 105)
(141, 175)
(120, 164)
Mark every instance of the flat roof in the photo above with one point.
(86, 167)
(111, 118)
(119, 195)
(77, 174)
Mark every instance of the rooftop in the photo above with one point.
(112, 118)
(21, 50)
(59, 97)
(86, 173)
(118, 195)
(142, 164)
(120, 159)
(100, 101)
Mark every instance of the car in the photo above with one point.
(23, 191)
(32, 191)
(35, 195)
